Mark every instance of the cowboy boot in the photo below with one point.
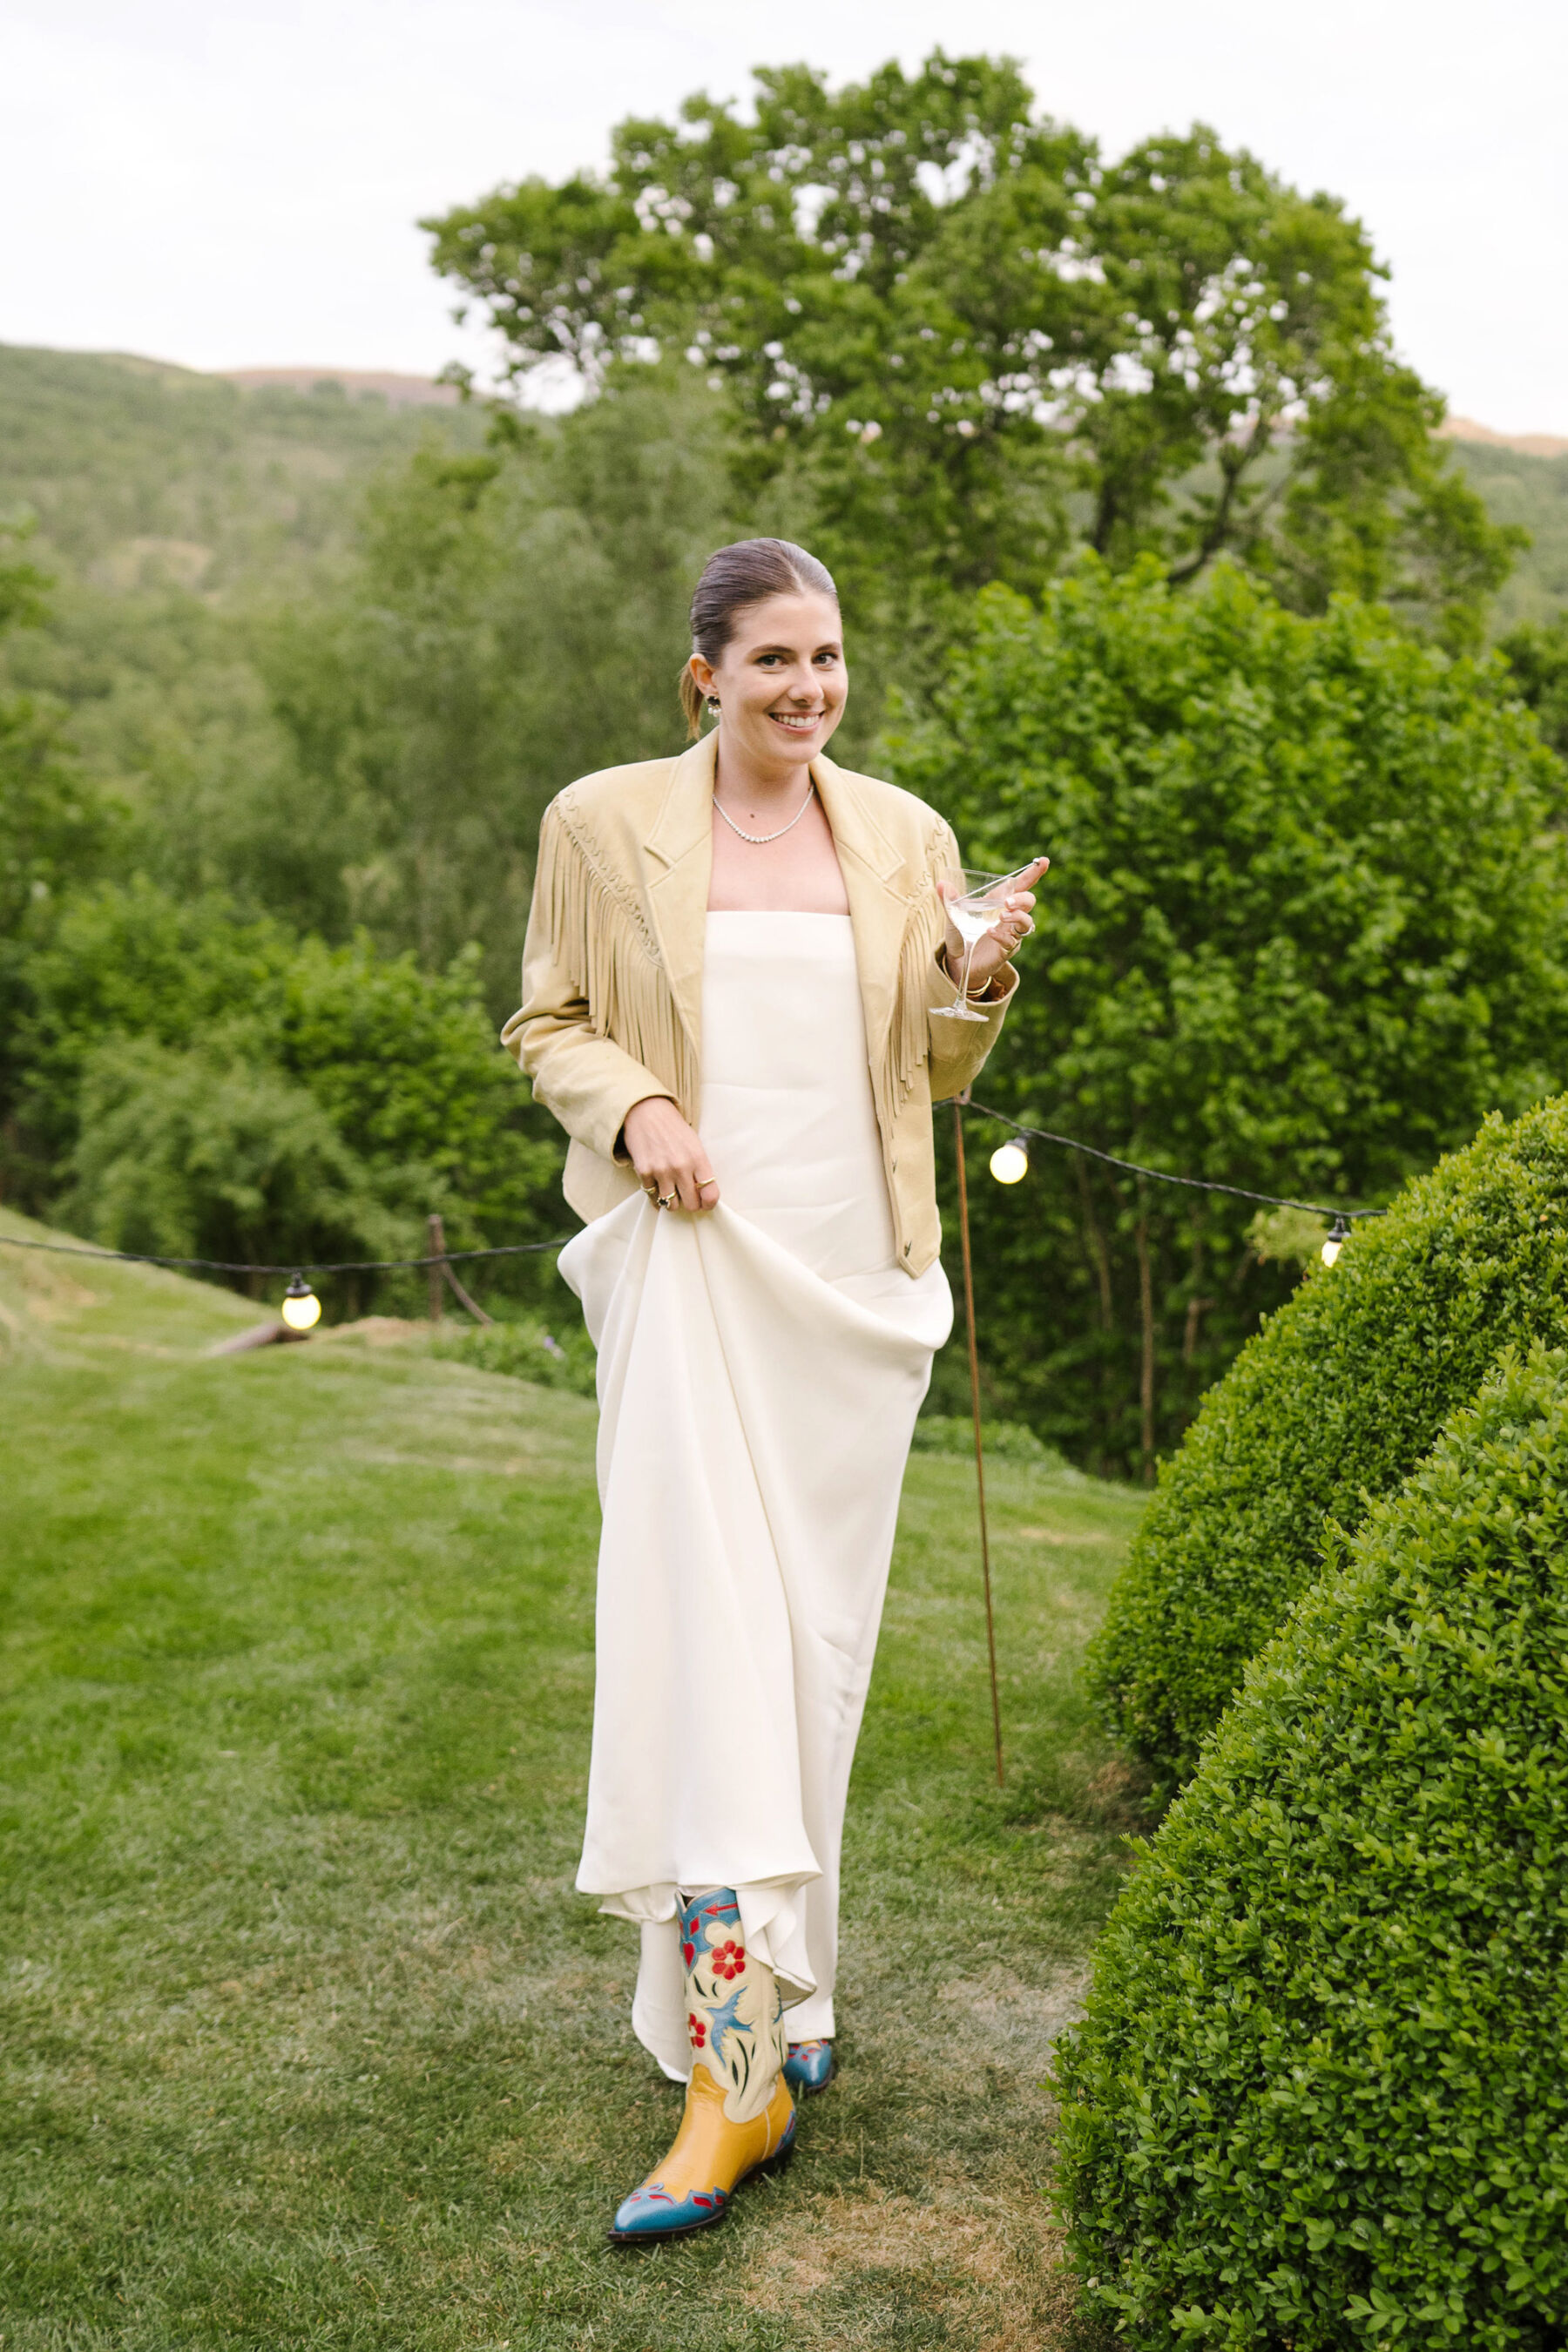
(739, 2115)
(809, 2067)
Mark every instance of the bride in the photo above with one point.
(731, 964)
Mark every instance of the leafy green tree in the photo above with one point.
(1537, 654)
(54, 829)
(1305, 926)
(51, 825)
(513, 619)
(976, 340)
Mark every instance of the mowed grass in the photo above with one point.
(307, 2038)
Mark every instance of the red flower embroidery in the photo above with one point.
(698, 2032)
(730, 1959)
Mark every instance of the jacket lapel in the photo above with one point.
(680, 851)
(881, 887)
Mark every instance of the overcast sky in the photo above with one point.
(232, 183)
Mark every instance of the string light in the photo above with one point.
(301, 1307)
(1010, 1162)
(1339, 1234)
(1024, 1135)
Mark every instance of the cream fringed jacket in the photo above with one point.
(612, 969)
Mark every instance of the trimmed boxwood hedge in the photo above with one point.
(1335, 1400)
(1320, 2098)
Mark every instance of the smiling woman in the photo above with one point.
(732, 962)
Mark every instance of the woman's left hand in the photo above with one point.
(996, 948)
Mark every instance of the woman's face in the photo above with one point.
(780, 680)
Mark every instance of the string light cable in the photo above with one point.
(1013, 1159)
(1009, 1164)
(310, 1265)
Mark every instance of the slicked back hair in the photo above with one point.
(734, 578)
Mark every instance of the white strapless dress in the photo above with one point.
(759, 1371)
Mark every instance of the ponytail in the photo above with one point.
(691, 700)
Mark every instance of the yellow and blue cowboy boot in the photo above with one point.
(809, 2067)
(739, 2115)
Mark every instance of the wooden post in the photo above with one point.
(439, 1273)
(975, 1399)
(438, 1243)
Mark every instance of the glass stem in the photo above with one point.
(963, 984)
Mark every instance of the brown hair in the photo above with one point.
(747, 573)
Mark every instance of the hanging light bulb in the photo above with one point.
(1339, 1234)
(1010, 1162)
(301, 1307)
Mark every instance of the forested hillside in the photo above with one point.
(139, 472)
(1533, 493)
(332, 658)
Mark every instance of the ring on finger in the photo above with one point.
(709, 1184)
(667, 1200)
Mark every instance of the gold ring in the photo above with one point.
(667, 1200)
(707, 1181)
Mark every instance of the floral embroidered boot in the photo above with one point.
(739, 2114)
(809, 2067)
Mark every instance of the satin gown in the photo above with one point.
(760, 1371)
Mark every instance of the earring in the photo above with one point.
(713, 705)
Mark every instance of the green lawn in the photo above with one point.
(307, 2039)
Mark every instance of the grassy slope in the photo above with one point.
(306, 2039)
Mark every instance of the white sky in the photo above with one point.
(231, 183)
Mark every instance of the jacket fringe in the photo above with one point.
(602, 942)
(909, 1036)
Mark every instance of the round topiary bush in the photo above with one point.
(1335, 1400)
(1320, 2098)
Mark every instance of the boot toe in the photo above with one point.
(809, 2067)
(651, 2211)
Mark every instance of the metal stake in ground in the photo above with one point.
(958, 1102)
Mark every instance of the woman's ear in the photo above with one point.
(702, 672)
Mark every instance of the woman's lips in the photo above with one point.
(797, 723)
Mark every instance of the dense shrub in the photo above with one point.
(1321, 2097)
(184, 1156)
(1006, 1440)
(1338, 1397)
(184, 1074)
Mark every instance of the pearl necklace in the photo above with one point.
(758, 839)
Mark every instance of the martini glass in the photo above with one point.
(976, 905)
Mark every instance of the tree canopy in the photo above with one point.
(978, 341)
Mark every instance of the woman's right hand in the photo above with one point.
(668, 1155)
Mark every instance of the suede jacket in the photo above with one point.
(612, 969)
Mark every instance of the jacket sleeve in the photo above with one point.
(585, 1080)
(959, 1048)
